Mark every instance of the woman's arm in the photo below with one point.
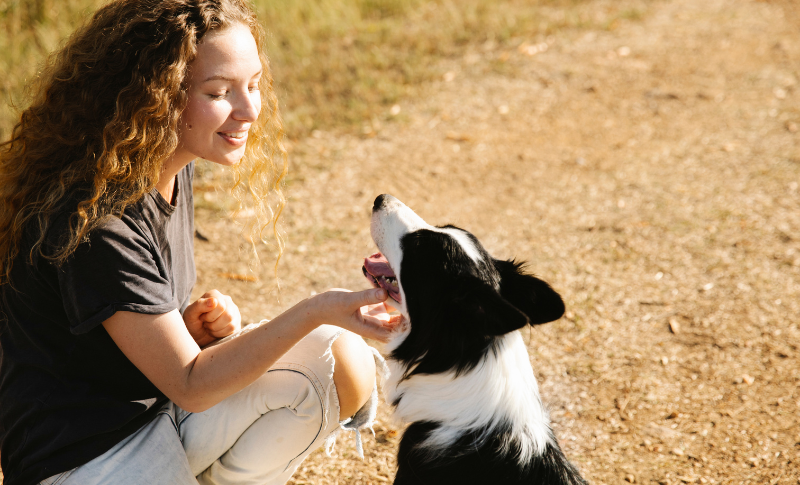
(161, 347)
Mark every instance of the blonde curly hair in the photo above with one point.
(104, 118)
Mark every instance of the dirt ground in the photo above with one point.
(650, 173)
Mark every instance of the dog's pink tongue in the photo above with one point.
(378, 265)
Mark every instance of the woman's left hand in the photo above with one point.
(212, 317)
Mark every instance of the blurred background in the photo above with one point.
(336, 62)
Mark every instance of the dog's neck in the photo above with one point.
(499, 392)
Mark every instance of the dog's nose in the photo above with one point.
(381, 201)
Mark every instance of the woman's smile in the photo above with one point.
(235, 138)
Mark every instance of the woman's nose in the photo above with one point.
(247, 107)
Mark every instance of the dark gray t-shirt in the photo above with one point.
(67, 393)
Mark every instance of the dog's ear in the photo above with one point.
(534, 297)
(483, 307)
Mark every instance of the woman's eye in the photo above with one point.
(218, 95)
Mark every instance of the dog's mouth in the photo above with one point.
(377, 270)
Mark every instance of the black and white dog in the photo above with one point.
(459, 369)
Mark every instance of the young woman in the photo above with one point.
(105, 372)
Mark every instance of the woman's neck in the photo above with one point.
(167, 191)
(166, 183)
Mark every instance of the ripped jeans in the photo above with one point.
(259, 435)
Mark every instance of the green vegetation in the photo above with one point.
(336, 62)
(29, 29)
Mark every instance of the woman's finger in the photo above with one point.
(221, 330)
(382, 313)
(358, 299)
(374, 329)
(220, 304)
(213, 293)
(196, 309)
(369, 297)
(219, 323)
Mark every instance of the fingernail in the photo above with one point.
(380, 293)
(210, 302)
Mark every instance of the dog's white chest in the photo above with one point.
(501, 390)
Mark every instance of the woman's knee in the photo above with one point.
(353, 374)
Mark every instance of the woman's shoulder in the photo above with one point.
(125, 227)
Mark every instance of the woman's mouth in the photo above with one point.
(236, 138)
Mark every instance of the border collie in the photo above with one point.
(459, 369)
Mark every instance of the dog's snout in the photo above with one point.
(382, 201)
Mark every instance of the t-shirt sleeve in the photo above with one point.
(118, 269)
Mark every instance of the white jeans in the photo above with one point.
(259, 435)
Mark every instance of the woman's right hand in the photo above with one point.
(357, 311)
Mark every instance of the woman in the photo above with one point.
(105, 374)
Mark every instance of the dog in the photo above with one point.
(459, 371)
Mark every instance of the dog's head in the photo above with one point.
(457, 298)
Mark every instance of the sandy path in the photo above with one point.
(650, 172)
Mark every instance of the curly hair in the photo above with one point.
(104, 118)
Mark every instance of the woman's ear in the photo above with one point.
(534, 297)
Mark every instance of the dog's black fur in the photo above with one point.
(455, 308)
(485, 464)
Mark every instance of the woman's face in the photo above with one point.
(223, 97)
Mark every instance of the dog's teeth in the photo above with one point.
(386, 281)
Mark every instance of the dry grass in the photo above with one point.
(336, 62)
(341, 63)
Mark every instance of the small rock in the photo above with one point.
(630, 478)
(677, 451)
(674, 326)
(748, 379)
